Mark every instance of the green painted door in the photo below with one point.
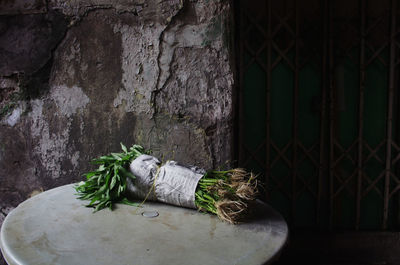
(318, 109)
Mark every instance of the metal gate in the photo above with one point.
(318, 109)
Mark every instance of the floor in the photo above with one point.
(342, 248)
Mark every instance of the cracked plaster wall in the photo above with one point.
(78, 77)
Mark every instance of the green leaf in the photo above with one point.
(100, 206)
(124, 148)
(127, 173)
(128, 202)
(108, 176)
(113, 182)
(93, 178)
(100, 179)
(116, 156)
(137, 148)
(128, 158)
(102, 189)
(90, 174)
(92, 202)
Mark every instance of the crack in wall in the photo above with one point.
(77, 19)
(208, 38)
(156, 89)
(182, 35)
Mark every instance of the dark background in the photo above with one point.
(318, 120)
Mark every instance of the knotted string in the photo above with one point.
(152, 189)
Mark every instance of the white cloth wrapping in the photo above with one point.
(174, 184)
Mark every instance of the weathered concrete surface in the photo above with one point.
(27, 41)
(16, 7)
(88, 75)
(160, 11)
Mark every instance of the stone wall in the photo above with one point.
(79, 77)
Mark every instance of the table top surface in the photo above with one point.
(54, 228)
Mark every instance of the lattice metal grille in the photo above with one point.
(318, 109)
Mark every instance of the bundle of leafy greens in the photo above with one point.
(106, 185)
(228, 194)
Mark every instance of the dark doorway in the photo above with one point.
(318, 115)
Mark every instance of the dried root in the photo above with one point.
(231, 211)
(227, 194)
(246, 191)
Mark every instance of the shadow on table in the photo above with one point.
(2, 261)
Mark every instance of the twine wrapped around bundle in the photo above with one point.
(134, 173)
(169, 183)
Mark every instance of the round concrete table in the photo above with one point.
(54, 228)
